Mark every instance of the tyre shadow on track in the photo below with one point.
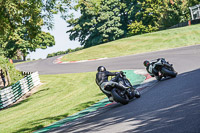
(175, 108)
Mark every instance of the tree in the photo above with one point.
(149, 11)
(99, 23)
(20, 42)
(86, 24)
(30, 13)
(128, 10)
(21, 22)
(110, 20)
(107, 20)
(161, 14)
(146, 17)
(172, 13)
(138, 28)
(102, 22)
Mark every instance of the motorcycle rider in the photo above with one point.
(102, 81)
(150, 66)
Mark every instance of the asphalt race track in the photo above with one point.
(170, 106)
(184, 59)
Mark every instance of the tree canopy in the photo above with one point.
(98, 23)
(22, 21)
(107, 20)
(20, 44)
(30, 13)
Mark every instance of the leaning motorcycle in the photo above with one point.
(164, 69)
(123, 96)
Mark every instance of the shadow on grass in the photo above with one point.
(17, 104)
(41, 91)
(83, 105)
(38, 124)
(27, 130)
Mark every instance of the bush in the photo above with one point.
(64, 52)
(138, 28)
(9, 70)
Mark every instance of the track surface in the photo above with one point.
(187, 57)
(170, 106)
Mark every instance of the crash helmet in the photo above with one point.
(146, 63)
(101, 69)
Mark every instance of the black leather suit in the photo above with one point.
(103, 76)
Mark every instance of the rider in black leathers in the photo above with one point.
(102, 81)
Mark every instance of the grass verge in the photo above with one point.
(160, 40)
(60, 96)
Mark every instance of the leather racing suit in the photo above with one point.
(151, 67)
(102, 81)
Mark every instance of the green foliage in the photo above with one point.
(160, 14)
(64, 52)
(29, 13)
(98, 24)
(20, 42)
(173, 12)
(107, 20)
(21, 22)
(148, 12)
(138, 28)
(14, 74)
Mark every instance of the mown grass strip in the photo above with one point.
(160, 40)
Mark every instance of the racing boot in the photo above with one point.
(111, 99)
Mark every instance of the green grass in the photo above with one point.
(60, 96)
(160, 40)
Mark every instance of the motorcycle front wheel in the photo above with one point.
(137, 93)
(119, 96)
(159, 76)
(169, 72)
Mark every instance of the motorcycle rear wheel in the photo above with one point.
(158, 77)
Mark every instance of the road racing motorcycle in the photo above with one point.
(120, 95)
(162, 68)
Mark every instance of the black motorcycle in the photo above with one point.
(120, 95)
(164, 69)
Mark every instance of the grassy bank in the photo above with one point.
(60, 96)
(160, 40)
